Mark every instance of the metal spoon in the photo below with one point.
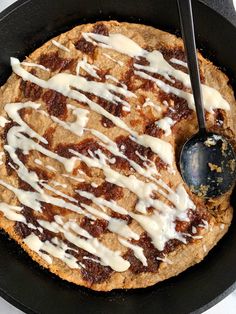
(207, 160)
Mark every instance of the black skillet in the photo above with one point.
(25, 26)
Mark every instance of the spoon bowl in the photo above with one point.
(208, 164)
(207, 160)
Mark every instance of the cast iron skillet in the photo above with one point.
(25, 26)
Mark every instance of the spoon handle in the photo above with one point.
(187, 29)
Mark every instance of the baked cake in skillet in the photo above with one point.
(91, 126)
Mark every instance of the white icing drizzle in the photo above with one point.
(1, 156)
(144, 190)
(149, 103)
(141, 189)
(16, 138)
(120, 227)
(163, 149)
(12, 212)
(161, 224)
(50, 168)
(38, 162)
(63, 185)
(150, 168)
(138, 251)
(164, 260)
(62, 83)
(222, 226)
(92, 259)
(3, 122)
(110, 77)
(76, 127)
(66, 84)
(179, 62)
(204, 224)
(89, 68)
(116, 42)
(12, 111)
(59, 226)
(102, 202)
(165, 124)
(117, 226)
(90, 244)
(114, 60)
(33, 198)
(212, 99)
(59, 45)
(57, 249)
(192, 236)
(35, 65)
(30, 225)
(73, 178)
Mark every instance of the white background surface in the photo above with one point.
(227, 306)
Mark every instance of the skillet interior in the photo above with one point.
(25, 26)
